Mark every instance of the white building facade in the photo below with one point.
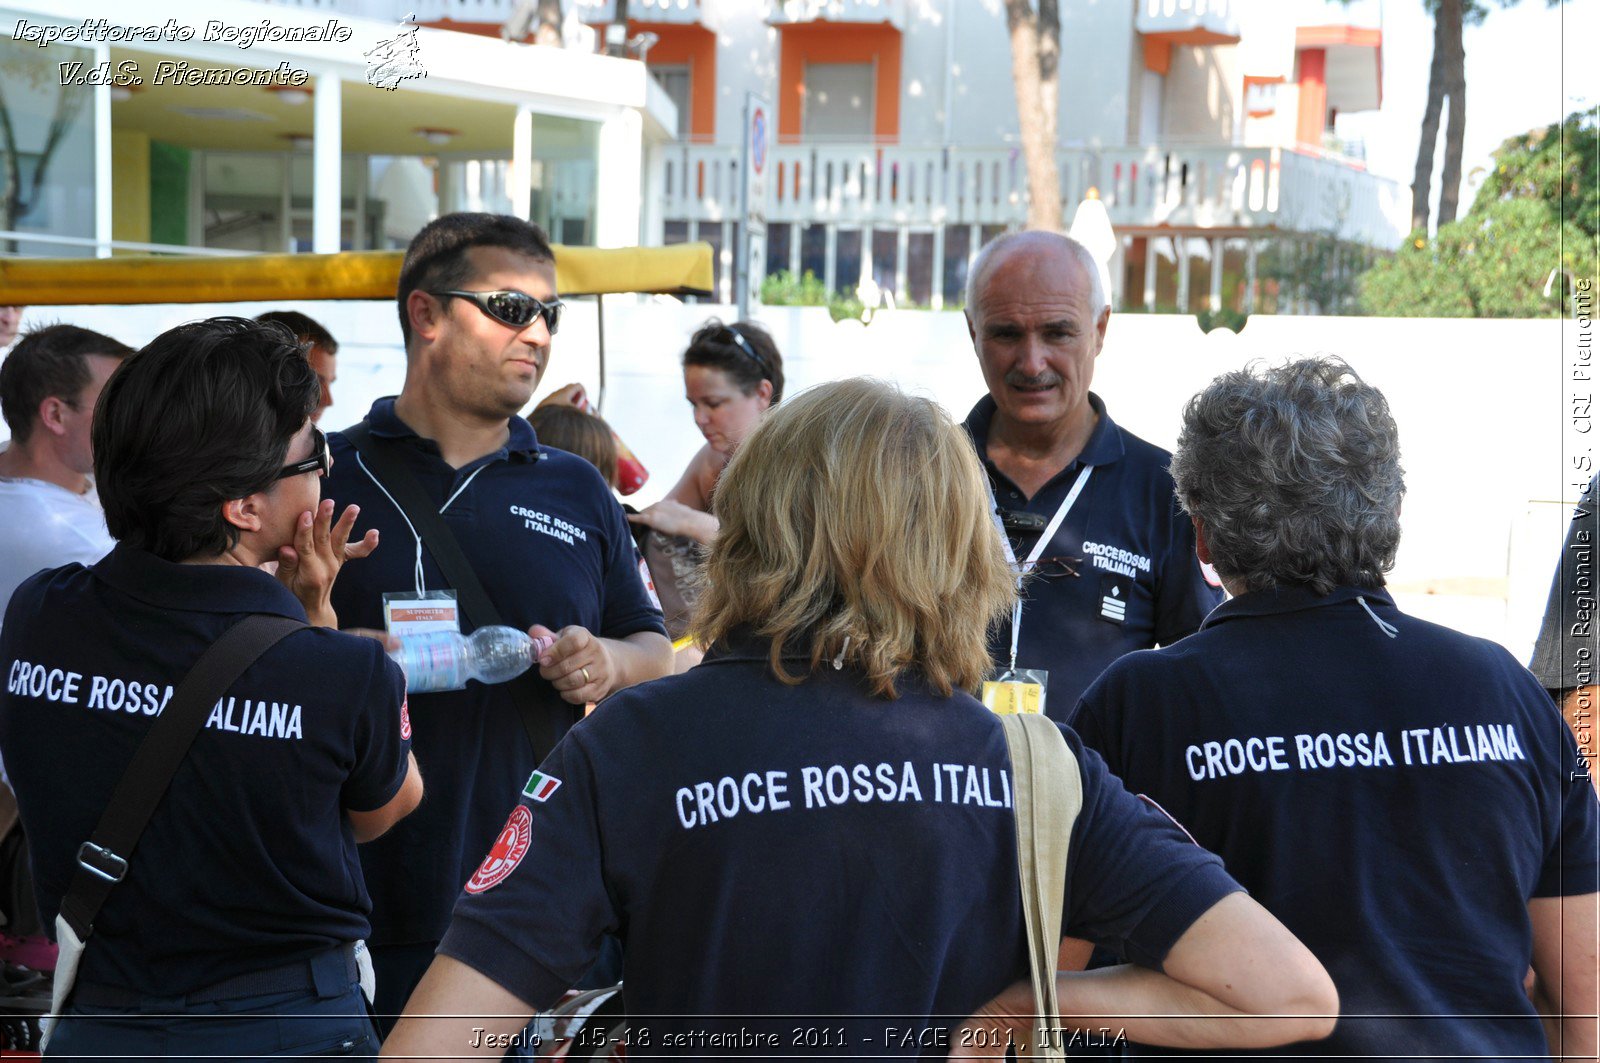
(1205, 126)
(232, 125)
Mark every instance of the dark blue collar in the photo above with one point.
(1292, 598)
(743, 644)
(383, 421)
(1103, 448)
(204, 588)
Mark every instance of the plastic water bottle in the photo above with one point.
(445, 660)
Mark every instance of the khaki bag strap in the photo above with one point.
(1047, 793)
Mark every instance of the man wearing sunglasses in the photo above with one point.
(1087, 508)
(537, 527)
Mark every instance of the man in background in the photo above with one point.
(49, 512)
(10, 321)
(322, 351)
(1086, 506)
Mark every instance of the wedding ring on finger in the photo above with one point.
(587, 678)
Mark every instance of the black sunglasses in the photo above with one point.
(1053, 567)
(517, 309)
(744, 345)
(320, 460)
(1020, 520)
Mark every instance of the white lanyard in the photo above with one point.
(416, 574)
(1038, 547)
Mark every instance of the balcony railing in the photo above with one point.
(782, 12)
(1217, 17)
(1204, 187)
(675, 11)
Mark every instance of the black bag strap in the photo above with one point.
(383, 462)
(103, 859)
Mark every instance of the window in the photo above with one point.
(839, 101)
(674, 80)
(814, 251)
(919, 268)
(779, 235)
(957, 248)
(847, 261)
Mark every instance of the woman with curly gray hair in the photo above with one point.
(1295, 476)
(1402, 796)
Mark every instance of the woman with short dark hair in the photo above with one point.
(243, 904)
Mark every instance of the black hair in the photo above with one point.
(49, 362)
(203, 414)
(306, 329)
(743, 350)
(437, 257)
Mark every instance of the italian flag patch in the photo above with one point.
(541, 786)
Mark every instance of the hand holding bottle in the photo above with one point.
(445, 660)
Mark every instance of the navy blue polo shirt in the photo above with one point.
(551, 546)
(248, 862)
(1138, 582)
(801, 850)
(1396, 802)
(1567, 652)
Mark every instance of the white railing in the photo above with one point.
(103, 248)
(1184, 16)
(496, 11)
(381, 10)
(1210, 187)
(567, 186)
(676, 11)
(787, 11)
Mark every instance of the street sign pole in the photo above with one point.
(750, 251)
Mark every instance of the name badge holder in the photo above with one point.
(407, 613)
(1013, 689)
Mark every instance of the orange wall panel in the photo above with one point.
(1157, 55)
(693, 46)
(1313, 117)
(835, 42)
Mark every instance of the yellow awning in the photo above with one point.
(682, 269)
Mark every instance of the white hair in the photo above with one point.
(990, 252)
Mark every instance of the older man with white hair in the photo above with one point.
(1087, 508)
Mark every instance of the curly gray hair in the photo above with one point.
(1294, 471)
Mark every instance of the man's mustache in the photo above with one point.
(1043, 380)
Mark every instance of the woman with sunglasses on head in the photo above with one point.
(732, 374)
(243, 904)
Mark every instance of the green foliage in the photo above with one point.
(1322, 269)
(1558, 166)
(1159, 308)
(1538, 211)
(785, 289)
(1228, 318)
(1492, 263)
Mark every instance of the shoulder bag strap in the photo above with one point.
(103, 859)
(1047, 796)
(440, 542)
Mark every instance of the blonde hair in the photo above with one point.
(857, 512)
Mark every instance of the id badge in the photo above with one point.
(1014, 690)
(409, 613)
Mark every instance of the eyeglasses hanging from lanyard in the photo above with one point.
(1028, 564)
